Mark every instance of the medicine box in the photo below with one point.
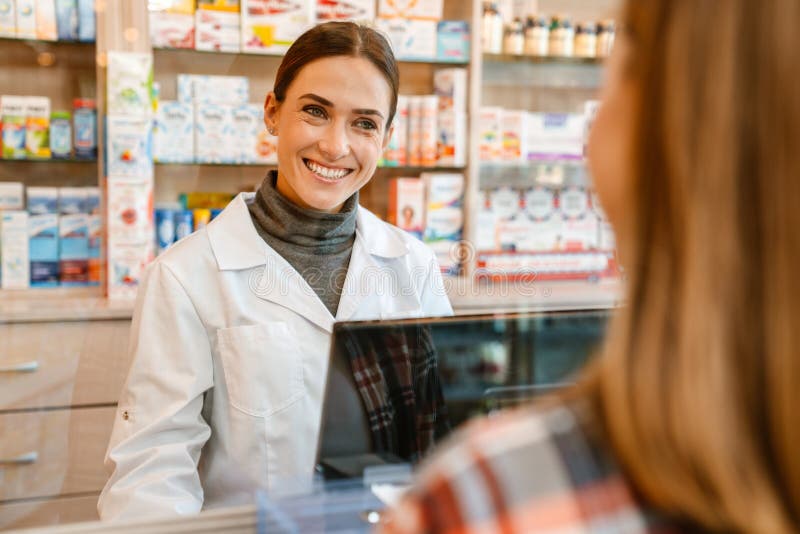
(26, 19)
(171, 30)
(42, 200)
(218, 31)
(173, 132)
(407, 205)
(86, 20)
(213, 130)
(8, 19)
(514, 131)
(129, 146)
(43, 231)
(452, 139)
(203, 89)
(12, 196)
(490, 141)
(12, 116)
(46, 29)
(37, 127)
(67, 20)
(71, 200)
(410, 39)
(450, 85)
(14, 251)
(355, 10)
(427, 9)
(555, 135)
(272, 28)
(452, 41)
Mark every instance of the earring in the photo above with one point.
(271, 130)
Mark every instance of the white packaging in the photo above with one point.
(26, 19)
(173, 133)
(250, 142)
(92, 205)
(126, 264)
(580, 226)
(129, 88)
(514, 131)
(428, 130)
(128, 152)
(413, 9)
(505, 203)
(490, 140)
(46, 28)
(14, 250)
(410, 39)
(270, 27)
(219, 31)
(171, 30)
(129, 212)
(396, 154)
(444, 218)
(42, 200)
(451, 139)
(213, 133)
(12, 196)
(407, 205)
(202, 89)
(555, 136)
(71, 200)
(8, 19)
(355, 10)
(450, 85)
(414, 131)
(12, 117)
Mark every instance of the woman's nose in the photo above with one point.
(334, 144)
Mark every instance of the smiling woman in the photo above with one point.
(232, 327)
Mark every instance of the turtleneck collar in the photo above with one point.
(281, 219)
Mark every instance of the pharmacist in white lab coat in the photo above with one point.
(231, 330)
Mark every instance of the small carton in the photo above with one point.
(200, 89)
(490, 134)
(8, 19)
(12, 196)
(249, 140)
(396, 154)
(126, 264)
(428, 127)
(272, 28)
(429, 9)
(414, 131)
(12, 115)
(26, 19)
(37, 127)
(86, 21)
(46, 28)
(354, 10)
(213, 130)
(452, 41)
(514, 129)
(173, 132)
(218, 31)
(130, 207)
(450, 85)
(410, 39)
(452, 139)
(43, 232)
(444, 217)
(67, 20)
(92, 203)
(42, 200)
(407, 205)
(14, 251)
(129, 146)
(94, 224)
(555, 135)
(171, 30)
(130, 83)
(71, 200)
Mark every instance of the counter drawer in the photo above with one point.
(62, 364)
(40, 513)
(50, 453)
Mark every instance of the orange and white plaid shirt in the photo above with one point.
(528, 471)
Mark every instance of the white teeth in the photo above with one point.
(326, 172)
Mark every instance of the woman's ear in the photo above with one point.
(271, 107)
(388, 136)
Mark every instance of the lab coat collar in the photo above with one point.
(379, 239)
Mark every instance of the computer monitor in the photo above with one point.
(395, 388)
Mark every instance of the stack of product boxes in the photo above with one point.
(430, 130)
(48, 20)
(31, 131)
(431, 207)
(56, 241)
(212, 122)
(175, 221)
(264, 27)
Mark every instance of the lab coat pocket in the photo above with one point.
(263, 367)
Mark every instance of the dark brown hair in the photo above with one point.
(339, 39)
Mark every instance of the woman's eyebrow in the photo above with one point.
(328, 103)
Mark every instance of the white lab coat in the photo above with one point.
(229, 352)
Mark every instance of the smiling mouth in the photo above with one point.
(326, 172)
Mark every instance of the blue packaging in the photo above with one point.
(44, 273)
(215, 212)
(42, 200)
(84, 122)
(92, 201)
(43, 250)
(452, 41)
(86, 22)
(165, 229)
(71, 200)
(67, 20)
(74, 233)
(184, 224)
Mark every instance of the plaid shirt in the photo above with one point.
(397, 377)
(525, 471)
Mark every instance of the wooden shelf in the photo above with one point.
(60, 304)
(548, 60)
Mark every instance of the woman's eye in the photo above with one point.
(366, 124)
(315, 111)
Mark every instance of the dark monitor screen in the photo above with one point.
(413, 380)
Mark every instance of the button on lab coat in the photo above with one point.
(229, 360)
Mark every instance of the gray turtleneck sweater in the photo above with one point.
(318, 245)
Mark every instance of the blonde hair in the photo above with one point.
(698, 384)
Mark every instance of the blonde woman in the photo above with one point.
(689, 419)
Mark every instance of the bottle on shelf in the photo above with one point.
(585, 40)
(605, 38)
(61, 134)
(514, 39)
(562, 35)
(492, 29)
(537, 35)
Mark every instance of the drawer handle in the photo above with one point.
(27, 458)
(25, 367)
